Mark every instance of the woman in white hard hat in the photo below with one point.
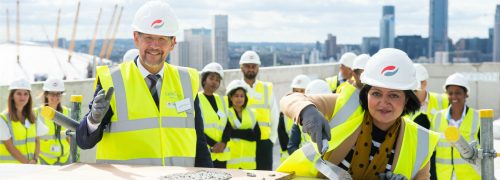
(289, 140)
(54, 146)
(377, 142)
(245, 130)
(449, 163)
(19, 128)
(212, 106)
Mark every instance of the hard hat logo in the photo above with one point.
(389, 70)
(157, 24)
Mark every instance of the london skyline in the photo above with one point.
(249, 21)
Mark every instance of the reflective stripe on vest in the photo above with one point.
(346, 110)
(263, 107)
(422, 150)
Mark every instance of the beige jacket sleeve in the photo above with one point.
(424, 173)
(292, 104)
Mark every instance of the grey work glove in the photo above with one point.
(474, 161)
(315, 124)
(391, 176)
(100, 105)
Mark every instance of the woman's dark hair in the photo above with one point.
(204, 77)
(412, 104)
(231, 94)
(46, 102)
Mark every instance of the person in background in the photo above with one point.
(245, 131)
(263, 100)
(130, 55)
(449, 163)
(213, 110)
(54, 146)
(286, 124)
(19, 128)
(345, 72)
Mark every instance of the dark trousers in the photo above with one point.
(264, 156)
(219, 164)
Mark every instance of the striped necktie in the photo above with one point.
(152, 87)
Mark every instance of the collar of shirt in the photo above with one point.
(340, 78)
(251, 86)
(145, 72)
(453, 122)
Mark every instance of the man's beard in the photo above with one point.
(250, 75)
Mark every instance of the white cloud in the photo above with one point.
(258, 20)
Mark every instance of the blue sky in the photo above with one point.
(257, 20)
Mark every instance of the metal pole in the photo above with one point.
(76, 102)
(487, 165)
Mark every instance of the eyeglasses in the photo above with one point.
(149, 39)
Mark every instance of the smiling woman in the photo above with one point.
(373, 142)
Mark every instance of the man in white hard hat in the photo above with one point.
(286, 125)
(345, 72)
(153, 117)
(357, 69)
(431, 102)
(263, 100)
(449, 163)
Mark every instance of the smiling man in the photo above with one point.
(153, 118)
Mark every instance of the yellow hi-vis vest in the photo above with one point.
(261, 102)
(416, 150)
(242, 152)
(141, 133)
(436, 102)
(214, 122)
(333, 83)
(23, 139)
(53, 150)
(448, 158)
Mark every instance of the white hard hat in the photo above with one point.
(422, 73)
(390, 68)
(360, 61)
(300, 81)
(347, 59)
(458, 80)
(130, 55)
(213, 67)
(20, 84)
(250, 57)
(318, 86)
(236, 84)
(156, 17)
(53, 84)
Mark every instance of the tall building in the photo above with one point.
(200, 47)
(220, 40)
(438, 26)
(387, 27)
(180, 54)
(415, 46)
(496, 36)
(330, 47)
(370, 45)
(490, 41)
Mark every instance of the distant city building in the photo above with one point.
(180, 54)
(496, 36)
(490, 41)
(415, 46)
(370, 45)
(318, 46)
(200, 47)
(330, 47)
(314, 57)
(471, 50)
(354, 48)
(220, 40)
(438, 27)
(387, 24)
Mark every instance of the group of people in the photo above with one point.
(28, 137)
(381, 121)
(374, 119)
